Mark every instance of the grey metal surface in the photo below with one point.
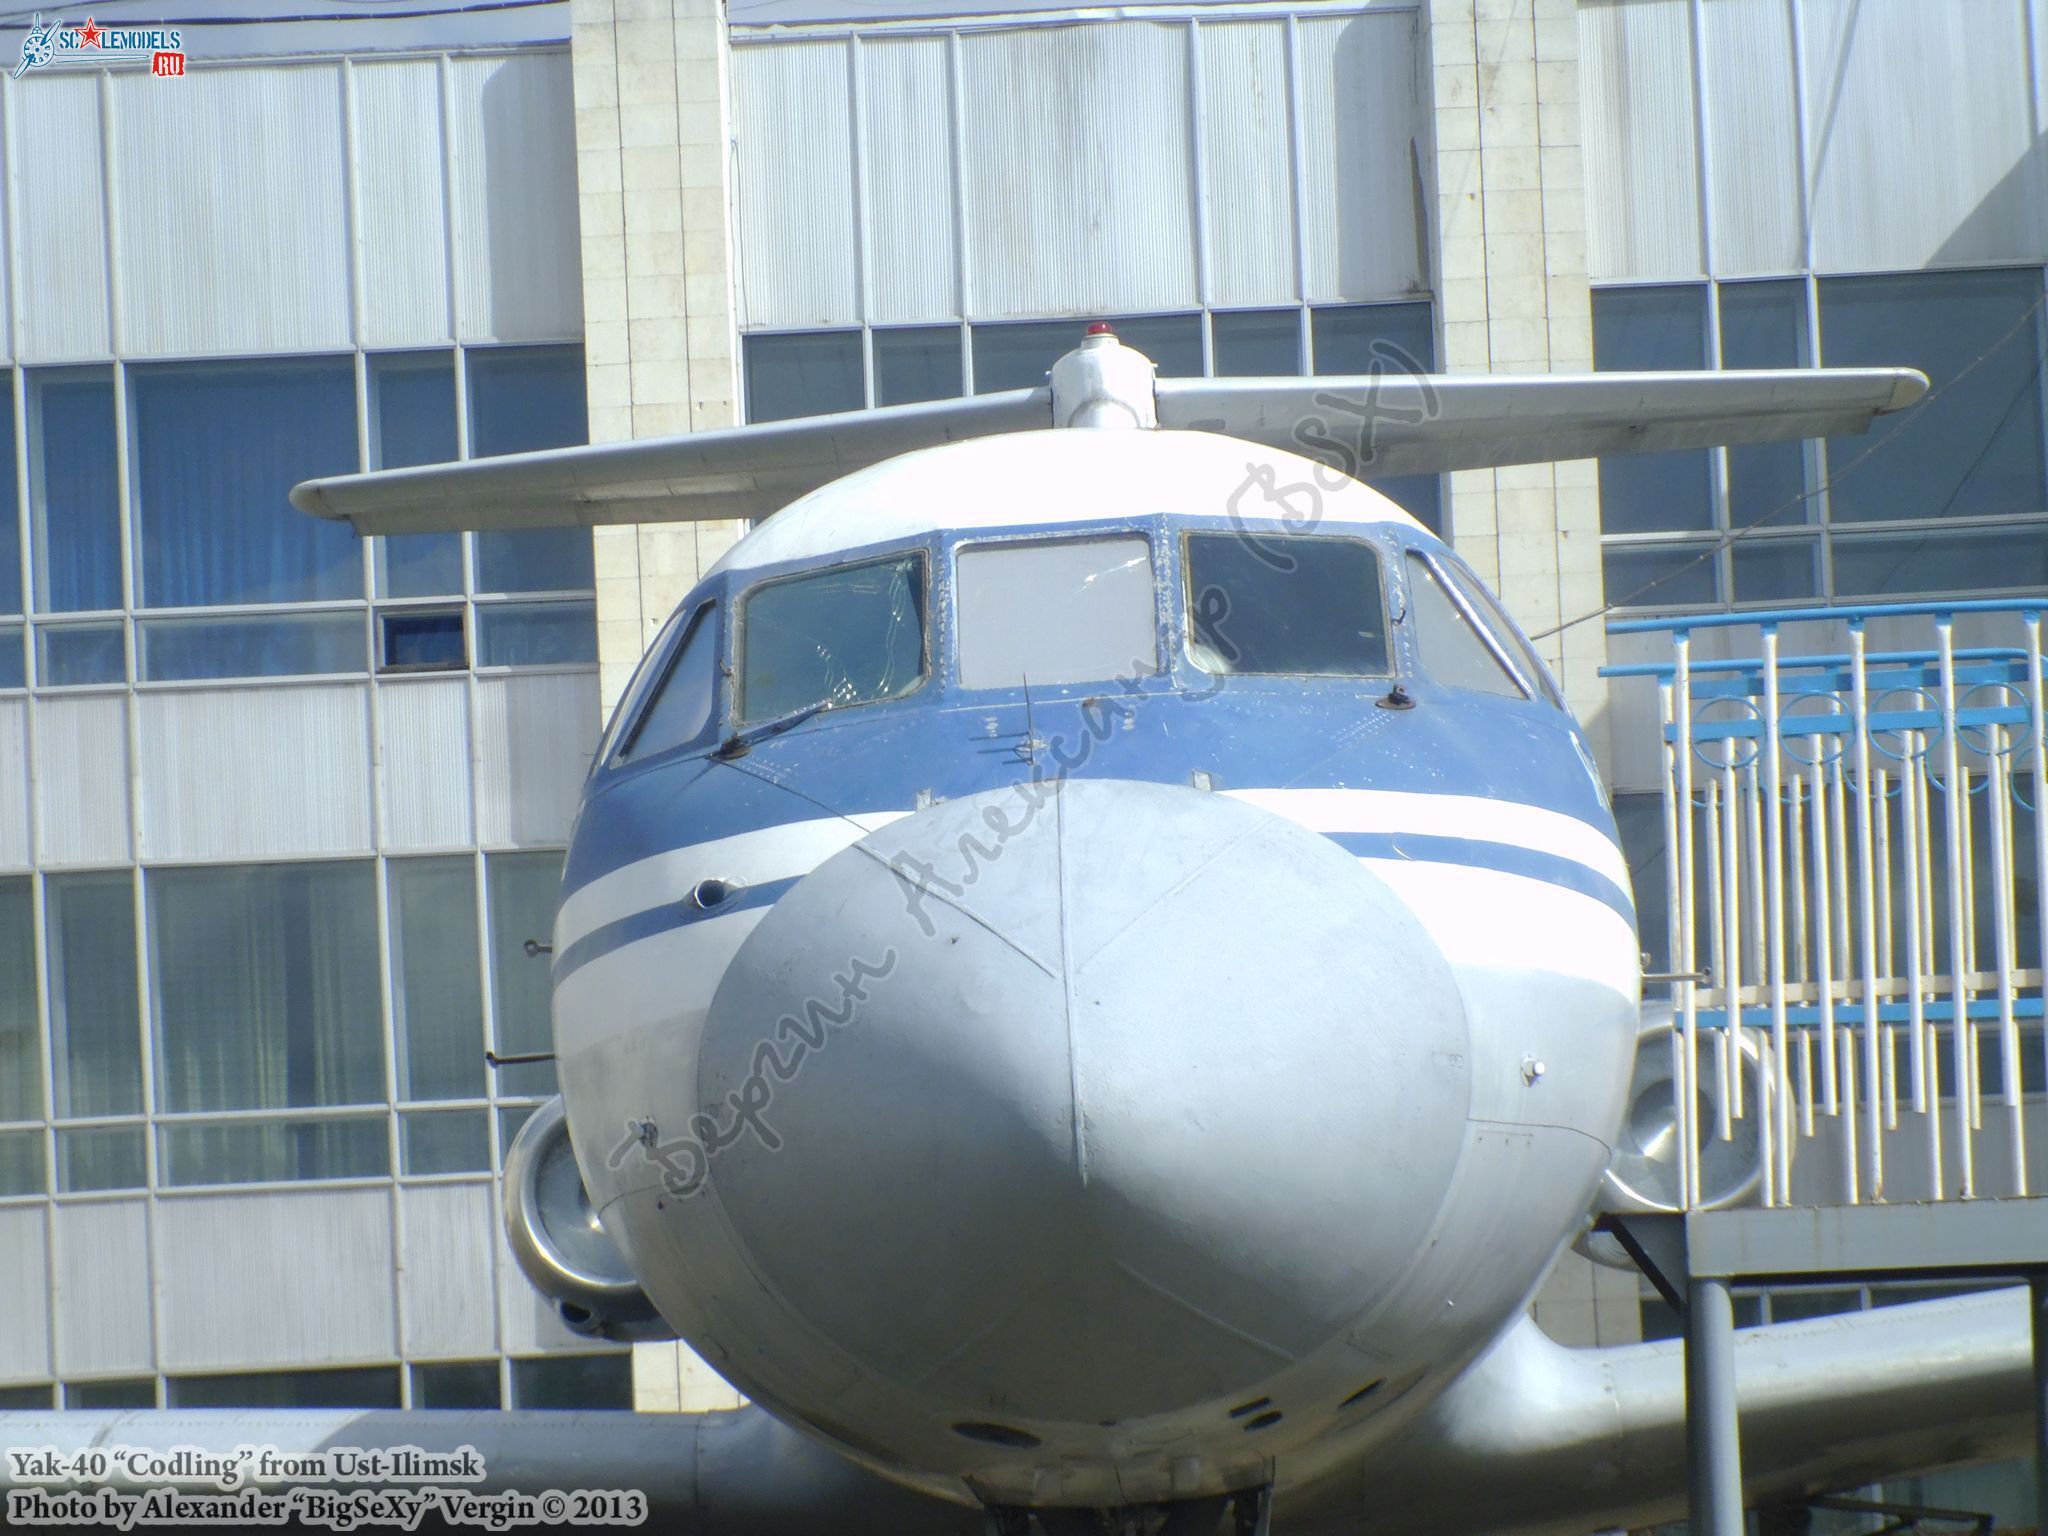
(1957, 1237)
(1411, 423)
(1713, 1455)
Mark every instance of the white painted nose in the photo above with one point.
(1080, 1103)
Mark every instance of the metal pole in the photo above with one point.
(2037, 1291)
(1713, 1453)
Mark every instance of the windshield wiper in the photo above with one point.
(739, 743)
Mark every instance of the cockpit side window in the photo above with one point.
(1307, 605)
(850, 634)
(1448, 644)
(681, 703)
(1491, 615)
(1056, 611)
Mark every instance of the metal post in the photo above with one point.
(2037, 1292)
(1713, 1453)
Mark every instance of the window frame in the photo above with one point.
(1162, 616)
(1379, 552)
(1508, 664)
(736, 663)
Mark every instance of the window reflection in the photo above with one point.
(1071, 611)
(853, 634)
(1307, 605)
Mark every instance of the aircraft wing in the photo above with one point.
(1534, 1439)
(1371, 425)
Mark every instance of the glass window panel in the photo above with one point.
(1018, 354)
(1763, 325)
(1377, 339)
(99, 1157)
(412, 421)
(79, 655)
(1253, 343)
(21, 1075)
(1974, 446)
(453, 1141)
(95, 1005)
(1774, 570)
(1285, 604)
(1494, 619)
(1066, 611)
(372, 1386)
(536, 634)
(1173, 342)
(510, 1119)
(13, 659)
(1978, 562)
(1636, 329)
(1640, 820)
(265, 979)
(413, 641)
(916, 363)
(1652, 575)
(18, 1399)
(21, 1162)
(574, 1381)
(524, 889)
(680, 712)
(122, 1392)
(74, 490)
(850, 635)
(273, 1151)
(174, 650)
(455, 1384)
(1449, 649)
(522, 399)
(217, 447)
(437, 985)
(806, 373)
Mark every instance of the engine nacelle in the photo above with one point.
(561, 1244)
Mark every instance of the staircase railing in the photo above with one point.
(1853, 877)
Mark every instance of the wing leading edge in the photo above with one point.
(1390, 424)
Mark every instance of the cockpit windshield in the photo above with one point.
(852, 634)
(1056, 611)
(1308, 605)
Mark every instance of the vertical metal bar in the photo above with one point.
(856, 182)
(1956, 792)
(1866, 911)
(1774, 908)
(1910, 799)
(1997, 789)
(1677, 922)
(1880, 798)
(1717, 952)
(1198, 159)
(1731, 928)
(963, 246)
(1713, 1447)
(1686, 961)
(1796, 841)
(1968, 882)
(1823, 928)
(2039, 739)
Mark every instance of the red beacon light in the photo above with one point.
(1100, 328)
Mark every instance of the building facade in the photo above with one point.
(286, 801)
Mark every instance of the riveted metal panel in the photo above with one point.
(102, 1269)
(232, 219)
(1247, 163)
(1752, 126)
(793, 184)
(248, 772)
(24, 1281)
(538, 733)
(426, 763)
(56, 167)
(1360, 158)
(14, 843)
(1922, 150)
(1082, 203)
(402, 194)
(1641, 149)
(519, 269)
(450, 1230)
(82, 779)
(907, 179)
(266, 1280)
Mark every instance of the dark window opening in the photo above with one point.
(852, 634)
(423, 642)
(1302, 605)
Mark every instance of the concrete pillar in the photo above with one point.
(659, 345)
(651, 85)
(1510, 276)
(1713, 1449)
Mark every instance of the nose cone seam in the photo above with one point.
(1067, 978)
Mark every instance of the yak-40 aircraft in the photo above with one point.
(1095, 977)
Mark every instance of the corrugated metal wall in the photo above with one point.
(1904, 134)
(982, 173)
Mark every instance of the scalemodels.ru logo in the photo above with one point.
(45, 42)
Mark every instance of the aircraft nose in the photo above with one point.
(1084, 1101)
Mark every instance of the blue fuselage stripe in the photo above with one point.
(1506, 858)
(665, 918)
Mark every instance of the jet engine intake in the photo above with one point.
(1644, 1173)
(561, 1244)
